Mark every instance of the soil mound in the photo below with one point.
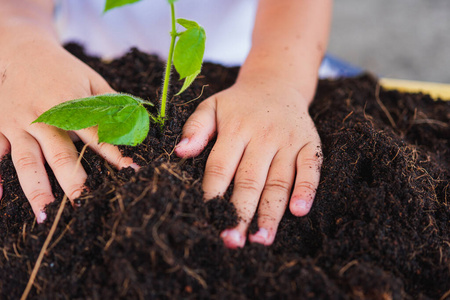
(379, 228)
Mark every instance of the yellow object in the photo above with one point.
(435, 90)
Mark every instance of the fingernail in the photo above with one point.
(302, 204)
(135, 166)
(261, 236)
(183, 142)
(41, 217)
(232, 238)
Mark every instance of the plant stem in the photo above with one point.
(173, 33)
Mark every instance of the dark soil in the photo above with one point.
(379, 228)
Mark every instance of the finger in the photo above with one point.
(62, 157)
(99, 85)
(109, 152)
(275, 197)
(198, 130)
(29, 163)
(89, 136)
(221, 165)
(4, 149)
(73, 136)
(248, 185)
(309, 162)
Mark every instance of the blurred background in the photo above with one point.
(404, 39)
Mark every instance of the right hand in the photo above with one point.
(36, 74)
(267, 142)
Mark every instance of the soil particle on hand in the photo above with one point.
(379, 227)
(3, 77)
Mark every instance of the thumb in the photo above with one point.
(198, 130)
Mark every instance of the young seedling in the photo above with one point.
(121, 118)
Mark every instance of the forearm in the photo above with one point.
(289, 41)
(26, 19)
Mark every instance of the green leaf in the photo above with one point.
(187, 23)
(129, 127)
(189, 50)
(187, 82)
(110, 4)
(121, 118)
(172, 1)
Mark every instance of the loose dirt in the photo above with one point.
(379, 228)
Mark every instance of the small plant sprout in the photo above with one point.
(122, 119)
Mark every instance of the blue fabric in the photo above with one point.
(333, 67)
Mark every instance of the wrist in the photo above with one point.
(22, 35)
(26, 20)
(267, 72)
(280, 91)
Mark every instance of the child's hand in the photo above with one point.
(36, 74)
(267, 141)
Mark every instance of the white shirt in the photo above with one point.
(146, 25)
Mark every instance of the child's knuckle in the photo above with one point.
(305, 185)
(248, 184)
(194, 125)
(62, 159)
(216, 170)
(26, 160)
(39, 195)
(278, 185)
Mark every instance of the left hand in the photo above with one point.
(268, 142)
